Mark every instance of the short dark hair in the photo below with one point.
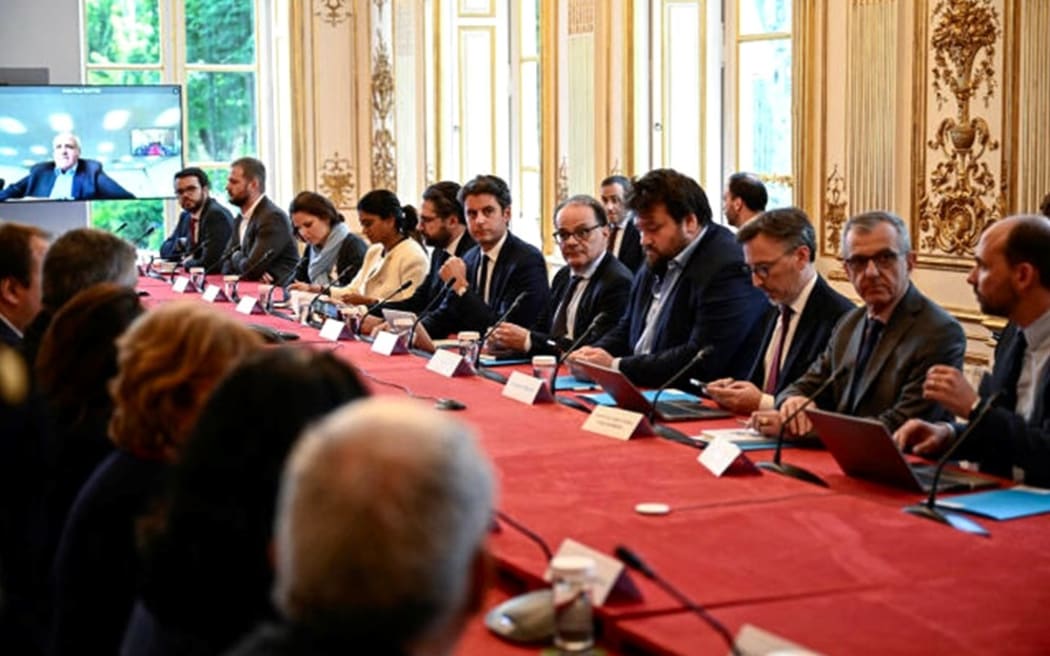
(195, 172)
(15, 251)
(83, 257)
(785, 224)
(1029, 241)
(253, 169)
(384, 203)
(679, 193)
(316, 205)
(1044, 207)
(621, 180)
(587, 201)
(445, 197)
(487, 184)
(748, 188)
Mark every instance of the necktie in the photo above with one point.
(778, 353)
(611, 246)
(483, 276)
(560, 326)
(871, 337)
(1013, 363)
(193, 231)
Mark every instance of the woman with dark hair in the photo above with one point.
(333, 249)
(395, 256)
(208, 572)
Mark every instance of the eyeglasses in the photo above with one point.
(580, 234)
(762, 269)
(884, 260)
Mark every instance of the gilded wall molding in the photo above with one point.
(334, 12)
(384, 168)
(834, 212)
(563, 181)
(963, 193)
(336, 179)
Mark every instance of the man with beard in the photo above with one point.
(1010, 278)
(879, 352)
(694, 292)
(204, 226)
(263, 245)
(745, 198)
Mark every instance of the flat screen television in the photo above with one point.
(130, 142)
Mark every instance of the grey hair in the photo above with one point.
(382, 510)
(83, 257)
(868, 221)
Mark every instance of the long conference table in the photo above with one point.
(839, 570)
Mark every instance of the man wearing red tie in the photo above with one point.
(204, 226)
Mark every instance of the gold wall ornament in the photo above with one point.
(563, 180)
(834, 211)
(384, 169)
(337, 180)
(963, 196)
(333, 12)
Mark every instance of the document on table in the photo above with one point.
(745, 438)
(1011, 503)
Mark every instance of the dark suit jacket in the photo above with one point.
(607, 291)
(520, 268)
(349, 258)
(216, 226)
(89, 183)
(918, 335)
(8, 336)
(823, 310)
(713, 304)
(631, 247)
(269, 230)
(433, 284)
(1004, 439)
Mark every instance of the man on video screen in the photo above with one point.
(67, 177)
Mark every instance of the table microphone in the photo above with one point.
(258, 267)
(378, 305)
(145, 233)
(327, 288)
(193, 253)
(633, 561)
(528, 617)
(499, 322)
(794, 471)
(599, 318)
(929, 508)
(120, 228)
(230, 250)
(700, 355)
(428, 308)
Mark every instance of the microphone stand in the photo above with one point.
(379, 305)
(633, 561)
(928, 509)
(483, 371)
(324, 291)
(261, 264)
(572, 403)
(794, 471)
(427, 309)
(193, 253)
(667, 432)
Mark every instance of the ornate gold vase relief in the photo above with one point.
(337, 180)
(963, 196)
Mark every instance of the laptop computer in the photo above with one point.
(629, 397)
(864, 448)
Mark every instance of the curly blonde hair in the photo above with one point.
(168, 362)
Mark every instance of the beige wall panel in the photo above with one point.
(477, 101)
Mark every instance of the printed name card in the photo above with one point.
(617, 422)
(721, 454)
(183, 285)
(607, 570)
(249, 305)
(335, 330)
(526, 389)
(388, 343)
(214, 294)
(449, 364)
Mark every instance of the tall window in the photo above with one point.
(763, 95)
(208, 46)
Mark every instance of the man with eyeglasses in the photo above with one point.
(883, 349)
(593, 285)
(204, 228)
(693, 293)
(779, 247)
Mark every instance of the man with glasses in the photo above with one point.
(204, 226)
(693, 292)
(880, 351)
(779, 247)
(591, 287)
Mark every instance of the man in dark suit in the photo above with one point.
(779, 247)
(262, 241)
(623, 240)
(67, 177)
(882, 350)
(591, 288)
(204, 226)
(493, 273)
(744, 198)
(1011, 278)
(693, 293)
(22, 249)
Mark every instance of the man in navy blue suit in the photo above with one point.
(492, 274)
(67, 177)
(779, 247)
(1011, 278)
(694, 291)
(204, 226)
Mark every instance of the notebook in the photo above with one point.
(864, 448)
(629, 397)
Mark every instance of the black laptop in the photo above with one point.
(629, 397)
